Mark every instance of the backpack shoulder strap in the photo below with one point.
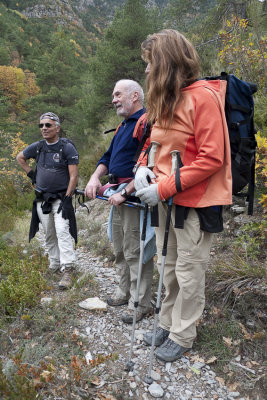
(62, 142)
(116, 130)
(39, 149)
(142, 132)
(139, 127)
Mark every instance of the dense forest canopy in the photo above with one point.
(66, 56)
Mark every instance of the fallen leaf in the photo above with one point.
(188, 375)
(27, 335)
(232, 387)
(236, 290)
(227, 341)
(245, 332)
(96, 381)
(258, 335)
(211, 360)
(220, 380)
(46, 375)
(236, 342)
(52, 367)
(255, 363)
(216, 310)
(197, 358)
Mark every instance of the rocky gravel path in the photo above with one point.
(190, 378)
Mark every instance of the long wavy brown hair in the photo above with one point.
(174, 64)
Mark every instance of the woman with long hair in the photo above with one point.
(188, 121)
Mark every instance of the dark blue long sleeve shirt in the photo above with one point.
(119, 157)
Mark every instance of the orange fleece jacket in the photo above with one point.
(199, 132)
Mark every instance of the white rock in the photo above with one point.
(46, 300)
(156, 390)
(155, 376)
(88, 357)
(93, 303)
(237, 209)
(199, 365)
(132, 385)
(234, 394)
(168, 366)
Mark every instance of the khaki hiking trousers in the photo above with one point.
(126, 244)
(187, 258)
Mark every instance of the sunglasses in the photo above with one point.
(47, 125)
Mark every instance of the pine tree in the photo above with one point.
(117, 57)
(58, 74)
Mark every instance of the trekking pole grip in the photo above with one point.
(152, 153)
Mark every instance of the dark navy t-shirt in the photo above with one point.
(52, 173)
(119, 158)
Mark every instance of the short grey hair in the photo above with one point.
(133, 86)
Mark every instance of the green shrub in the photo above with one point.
(12, 204)
(18, 388)
(21, 280)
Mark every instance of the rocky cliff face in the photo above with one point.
(82, 5)
(76, 11)
(61, 10)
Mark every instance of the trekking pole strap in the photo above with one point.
(167, 227)
(143, 235)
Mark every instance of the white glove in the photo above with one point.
(150, 194)
(140, 179)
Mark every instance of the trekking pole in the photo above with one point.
(130, 364)
(175, 154)
(151, 160)
(126, 203)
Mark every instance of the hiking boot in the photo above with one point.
(160, 337)
(116, 301)
(170, 351)
(66, 280)
(128, 316)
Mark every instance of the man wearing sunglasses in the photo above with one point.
(55, 180)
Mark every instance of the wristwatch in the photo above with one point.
(124, 194)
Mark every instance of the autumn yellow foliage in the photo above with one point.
(9, 170)
(17, 85)
(242, 52)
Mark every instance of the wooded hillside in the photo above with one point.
(65, 56)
